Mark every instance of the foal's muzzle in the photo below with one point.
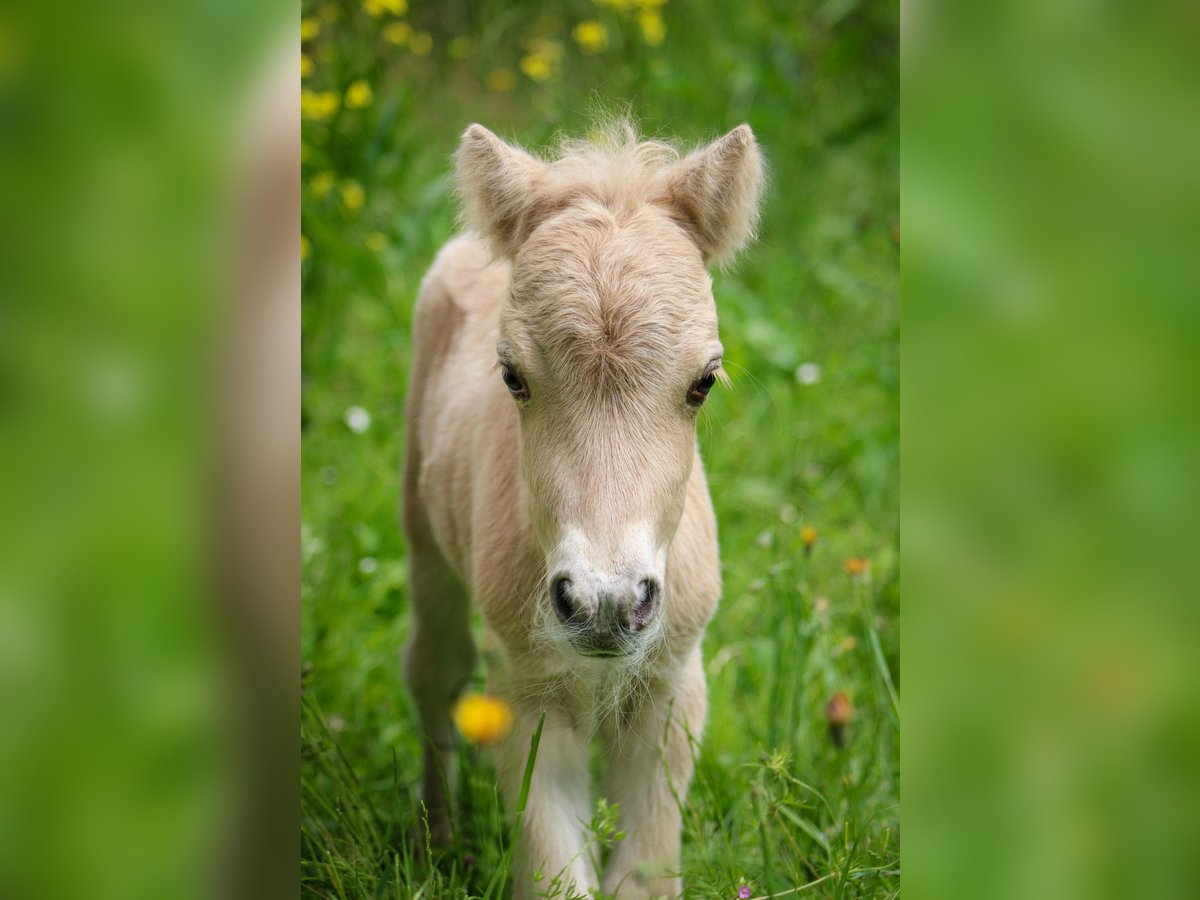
(607, 621)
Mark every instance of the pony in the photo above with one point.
(563, 347)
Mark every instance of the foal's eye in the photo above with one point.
(698, 392)
(513, 382)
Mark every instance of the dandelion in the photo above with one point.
(420, 43)
(537, 66)
(375, 241)
(856, 565)
(306, 65)
(501, 80)
(482, 719)
(357, 419)
(652, 25)
(744, 892)
(838, 713)
(309, 28)
(397, 33)
(352, 195)
(322, 183)
(379, 8)
(305, 248)
(460, 48)
(591, 36)
(808, 535)
(359, 95)
(318, 106)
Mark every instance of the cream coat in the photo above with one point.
(586, 278)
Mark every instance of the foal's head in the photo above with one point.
(608, 346)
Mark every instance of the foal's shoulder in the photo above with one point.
(468, 273)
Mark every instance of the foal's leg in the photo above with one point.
(551, 840)
(438, 662)
(646, 862)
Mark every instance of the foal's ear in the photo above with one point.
(498, 185)
(715, 193)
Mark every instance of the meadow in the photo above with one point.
(801, 450)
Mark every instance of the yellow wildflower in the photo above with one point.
(397, 33)
(306, 65)
(353, 195)
(378, 8)
(482, 719)
(305, 248)
(420, 43)
(536, 66)
(309, 28)
(329, 12)
(318, 106)
(460, 48)
(322, 183)
(501, 80)
(375, 241)
(809, 536)
(591, 36)
(653, 29)
(359, 95)
(857, 565)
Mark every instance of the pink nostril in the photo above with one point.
(647, 598)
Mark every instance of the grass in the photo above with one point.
(775, 803)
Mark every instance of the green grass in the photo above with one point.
(774, 802)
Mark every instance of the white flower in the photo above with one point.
(808, 373)
(367, 565)
(357, 419)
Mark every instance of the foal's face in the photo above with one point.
(609, 348)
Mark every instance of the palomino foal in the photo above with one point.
(561, 356)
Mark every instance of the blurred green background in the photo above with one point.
(1052, 204)
(1051, 217)
(806, 436)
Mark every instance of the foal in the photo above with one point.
(561, 355)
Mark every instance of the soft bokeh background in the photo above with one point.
(148, 214)
(805, 437)
(148, 707)
(1051, 218)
